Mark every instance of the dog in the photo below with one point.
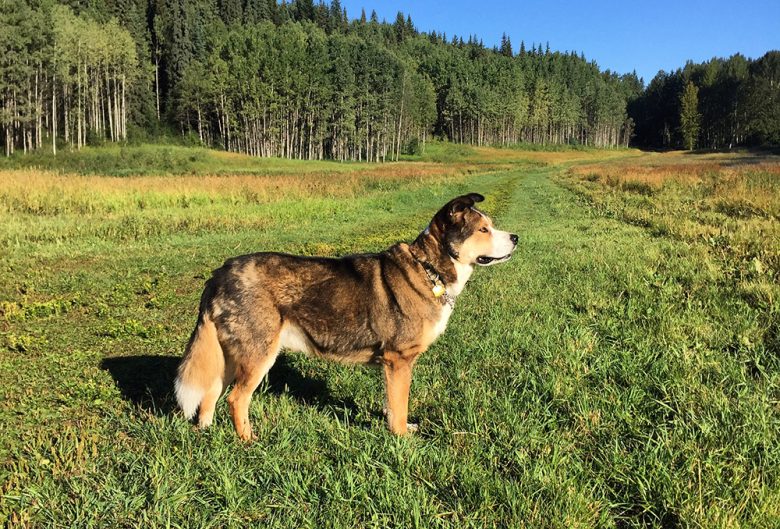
(383, 309)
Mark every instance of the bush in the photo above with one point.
(95, 139)
(414, 146)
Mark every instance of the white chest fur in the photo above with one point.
(293, 338)
(441, 325)
(454, 289)
(464, 273)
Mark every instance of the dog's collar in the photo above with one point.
(438, 287)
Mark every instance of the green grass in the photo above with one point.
(607, 376)
(444, 152)
(162, 159)
(151, 159)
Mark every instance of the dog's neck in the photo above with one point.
(429, 249)
(463, 273)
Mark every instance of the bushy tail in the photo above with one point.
(202, 367)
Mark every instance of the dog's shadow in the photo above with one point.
(147, 382)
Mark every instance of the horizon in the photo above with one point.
(604, 32)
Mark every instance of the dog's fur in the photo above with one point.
(382, 309)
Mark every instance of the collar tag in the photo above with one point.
(438, 290)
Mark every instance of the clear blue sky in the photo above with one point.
(622, 36)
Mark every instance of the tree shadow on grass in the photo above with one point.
(147, 382)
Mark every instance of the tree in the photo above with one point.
(506, 46)
(763, 99)
(256, 11)
(689, 115)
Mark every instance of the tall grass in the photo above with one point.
(48, 193)
(728, 203)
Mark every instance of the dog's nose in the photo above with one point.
(513, 237)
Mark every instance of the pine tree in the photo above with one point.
(230, 11)
(506, 46)
(336, 21)
(689, 115)
(400, 27)
(304, 9)
(762, 100)
(322, 17)
(256, 11)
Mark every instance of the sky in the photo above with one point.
(620, 36)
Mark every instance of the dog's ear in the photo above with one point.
(450, 213)
(463, 202)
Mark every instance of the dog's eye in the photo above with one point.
(484, 229)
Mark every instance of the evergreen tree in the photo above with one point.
(303, 10)
(506, 46)
(689, 115)
(231, 11)
(338, 22)
(763, 99)
(399, 27)
(256, 11)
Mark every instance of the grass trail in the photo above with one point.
(601, 378)
(660, 401)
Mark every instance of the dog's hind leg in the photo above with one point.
(251, 367)
(210, 398)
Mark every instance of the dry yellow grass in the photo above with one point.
(245, 179)
(731, 184)
(509, 155)
(46, 192)
(729, 202)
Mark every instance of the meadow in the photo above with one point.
(622, 370)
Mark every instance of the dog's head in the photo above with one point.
(468, 235)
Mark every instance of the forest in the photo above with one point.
(305, 80)
(736, 103)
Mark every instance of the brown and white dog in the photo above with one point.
(382, 309)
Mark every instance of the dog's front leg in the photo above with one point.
(398, 379)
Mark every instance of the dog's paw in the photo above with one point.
(412, 427)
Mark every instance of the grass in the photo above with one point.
(133, 160)
(728, 202)
(612, 374)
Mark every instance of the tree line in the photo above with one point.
(717, 104)
(304, 80)
(298, 80)
(63, 77)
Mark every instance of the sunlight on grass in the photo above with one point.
(620, 371)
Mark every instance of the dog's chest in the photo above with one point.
(463, 274)
(440, 325)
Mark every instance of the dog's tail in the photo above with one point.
(202, 368)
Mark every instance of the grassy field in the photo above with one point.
(622, 370)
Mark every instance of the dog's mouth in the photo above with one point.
(485, 260)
